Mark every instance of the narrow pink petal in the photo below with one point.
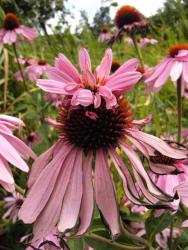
(105, 193)
(84, 60)
(161, 80)
(51, 86)
(137, 165)
(11, 155)
(24, 151)
(124, 81)
(49, 217)
(27, 32)
(143, 122)
(41, 162)
(57, 75)
(176, 70)
(157, 144)
(88, 79)
(156, 72)
(185, 70)
(8, 187)
(63, 64)
(72, 200)
(12, 120)
(40, 192)
(129, 65)
(5, 173)
(185, 223)
(87, 204)
(7, 38)
(103, 70)
(97, 100)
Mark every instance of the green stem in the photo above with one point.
(112, 243)
(138, 51)
(135, 238)
(179, 109)
(19, 189)
(19, 66)
(171, 235)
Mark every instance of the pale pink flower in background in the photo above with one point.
(37, 69)
(163, 238)
(147, 40)
(55, 99)
(89, 88)
(12, 206)
(185, 134)
(105, 35)
(32, 139)
(129, 41)
(184, 223)
(12, 30)
(174, 65)
(34, 68)
(12, 150)
(63, 187)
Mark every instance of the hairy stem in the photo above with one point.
(19, 189)
(179, 109)
(171, 235)
(138, 51)
(19, 66)
(6, 79)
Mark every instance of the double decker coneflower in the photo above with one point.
(67, 180)
(12, 30)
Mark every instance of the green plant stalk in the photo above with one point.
(19, 66)
(6, 62)
(179, 109)
(112, 243)
(138, 51)
(171, 235)
(135, 238)
(19, 189)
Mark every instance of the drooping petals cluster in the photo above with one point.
(174, 65)
(12, 150)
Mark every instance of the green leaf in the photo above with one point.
(155, 225)
(76, 244)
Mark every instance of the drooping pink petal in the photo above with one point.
(11, 155)
(29, 33)
(12, 120)
(57, 75)
(49, 217)
(176, 71)
(105, 193)
(87, 204)
(41, 190)
(5, 173)
(143, 122)
(84, 60)
(72, 200)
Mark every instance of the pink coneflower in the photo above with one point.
(32, 139)
(13, 204)
(105, 35)
(37, 69)
(130, 19)
(12, 150)
(67, 179)
(89, 88)
(175, 65)
(12, 30)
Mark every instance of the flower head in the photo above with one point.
(175, 65)
(13, 204)
(105, 35)
(63, 187)
(12, 151)
(32, 139)
(129, 18)
(12, 30)
(89, 88)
